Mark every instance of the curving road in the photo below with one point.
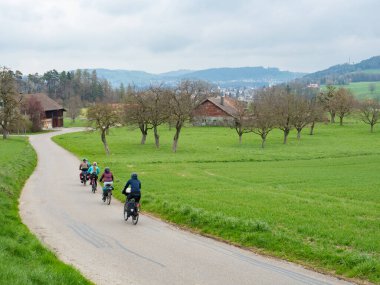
(93, 237)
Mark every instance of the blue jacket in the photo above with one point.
(134, 183)
(91, 170)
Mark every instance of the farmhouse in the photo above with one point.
(53, 111)
(216, 111)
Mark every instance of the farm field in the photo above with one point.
(23, 260)
(315, 202)
(361, 89)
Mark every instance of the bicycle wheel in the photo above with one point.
(135, 218)
(93, 186)
(109, 195)
(125, 213)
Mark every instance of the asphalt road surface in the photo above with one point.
(94, 237)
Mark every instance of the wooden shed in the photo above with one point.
(216, 111)
(53, 111)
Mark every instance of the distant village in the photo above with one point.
(247, 93)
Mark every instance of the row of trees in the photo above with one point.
(149, 108)
(283, 107)
(295, 107)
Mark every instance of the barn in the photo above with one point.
(53, 111)
(216, 111)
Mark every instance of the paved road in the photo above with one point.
(94, 237)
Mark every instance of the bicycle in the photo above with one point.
(94, 183)
(84, 176)
(107, 194)
(131, 209)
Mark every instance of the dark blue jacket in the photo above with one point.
(134, 183)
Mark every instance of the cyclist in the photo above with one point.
(94, 171)
(108, 178)
(135, 184)
(83, 167)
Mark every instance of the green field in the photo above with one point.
(23, 260)
(79, 122)
(316, 202)
(361, 89)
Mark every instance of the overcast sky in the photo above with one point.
(163, 35)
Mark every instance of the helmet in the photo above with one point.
(107, 169)
(84, 159)
(134, 175)
(94, 164)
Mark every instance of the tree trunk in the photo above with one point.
(143, 138)
(299, 134)
(105, 142)
(176, 136)
(332, 114)
(5, 134)
(156, 137)
(312, 129)
(286, 133)
(240, 138)
(144, 132)
(372, 128)
(263, 139)
(341, 120)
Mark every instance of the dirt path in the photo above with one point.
(94, 237)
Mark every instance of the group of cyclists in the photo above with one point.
(93, 171)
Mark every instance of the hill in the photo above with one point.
(224, 77)
(365, 71)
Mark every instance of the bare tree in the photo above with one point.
(343, 102)
(158, 109)
(326, 98)
(369, 112)
(73, 105)
(302, 115)
(9, 101)
(263, 115)
(242, 119)
(284, 108)
(136, 111)
(103, 117)
(187, 96)
(316, 114)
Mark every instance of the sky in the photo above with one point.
(164, 35)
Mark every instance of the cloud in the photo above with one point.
(161, 35)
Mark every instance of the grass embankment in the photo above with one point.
(23, 260)
(316, 202)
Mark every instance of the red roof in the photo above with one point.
(228, 105)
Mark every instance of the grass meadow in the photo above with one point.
(314, 201)
(361, 89)
(23, 260)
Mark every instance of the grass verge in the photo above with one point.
(23, 260)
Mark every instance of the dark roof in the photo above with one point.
(47, 103)
(228, 104)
